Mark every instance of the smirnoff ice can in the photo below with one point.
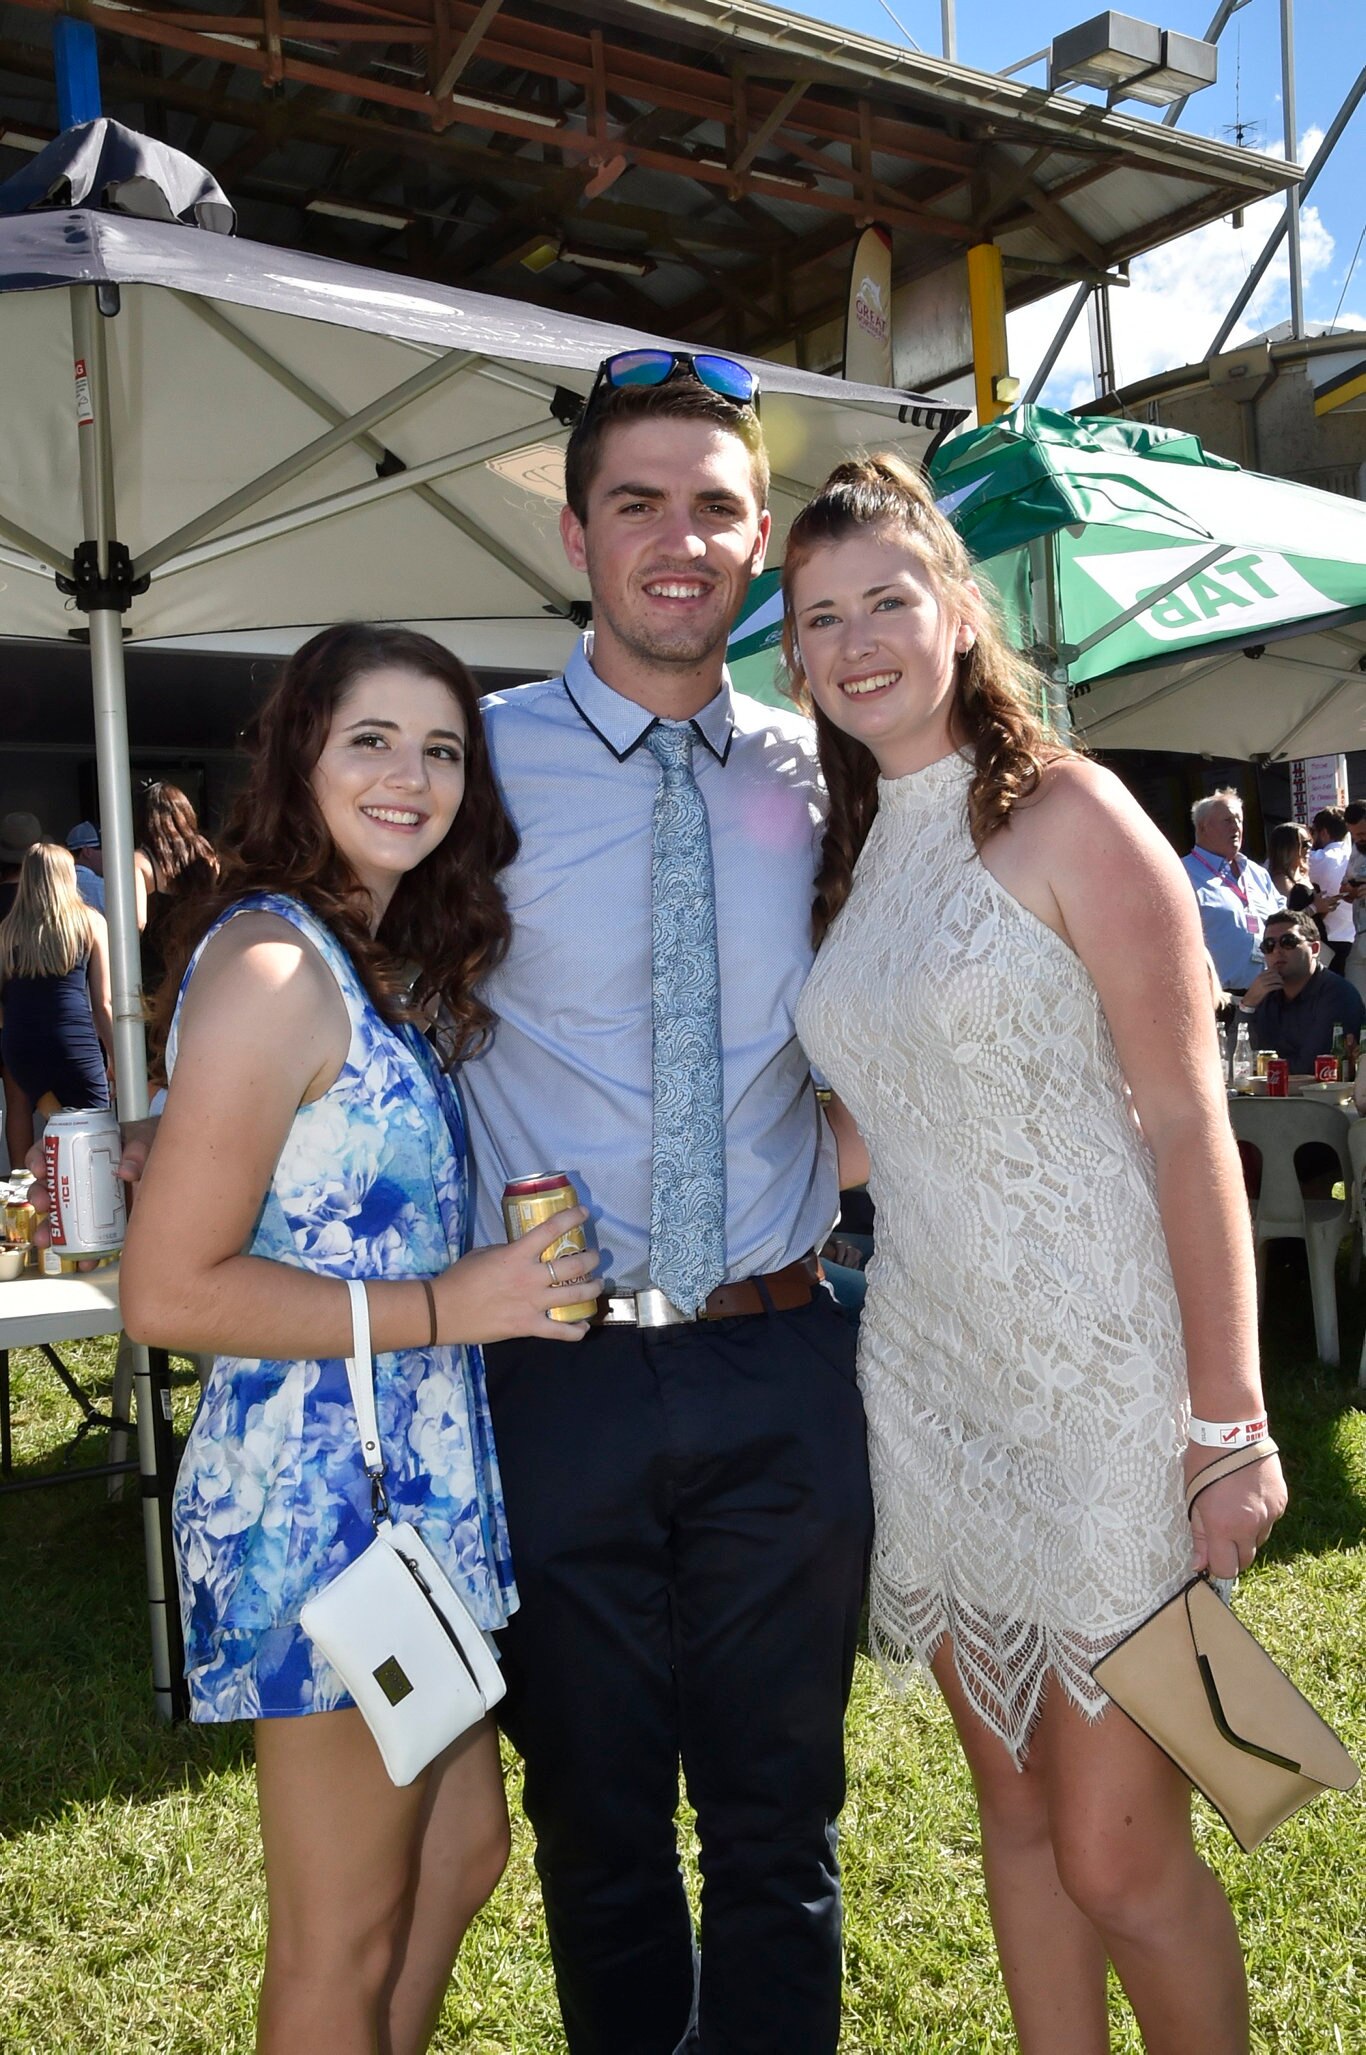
(89, 1214)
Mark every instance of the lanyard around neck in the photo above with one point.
(1225, 874)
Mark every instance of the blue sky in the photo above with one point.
(1179, 295)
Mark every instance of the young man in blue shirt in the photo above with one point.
(687, 1490)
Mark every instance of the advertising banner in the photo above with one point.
(868, 326)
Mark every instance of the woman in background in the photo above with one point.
(173, 863)
(58, 1033)
(1287, 859)
(1010, 971)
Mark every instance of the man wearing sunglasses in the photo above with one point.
(1296, 1005)
(687, 1488)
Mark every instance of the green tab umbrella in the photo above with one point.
(754, 656)
(1185, 603)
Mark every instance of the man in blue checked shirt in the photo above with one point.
(687, 1489)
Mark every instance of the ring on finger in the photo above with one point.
(551, 1268)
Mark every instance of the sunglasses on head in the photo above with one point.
(1289, 938)
(635, 369)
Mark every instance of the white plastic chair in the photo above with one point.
(1277, 1128)
(1356, 1149)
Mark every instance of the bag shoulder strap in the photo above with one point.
(1227, 1466)
(360, 1375)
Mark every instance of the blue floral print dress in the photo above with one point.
(271, 1500)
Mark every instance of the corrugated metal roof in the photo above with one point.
(729, 150)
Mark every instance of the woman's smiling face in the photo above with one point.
(391, 775)
(879, 646)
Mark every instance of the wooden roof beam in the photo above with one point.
(1049, 210)
(464, 50)
(533, 47)
(768, 127)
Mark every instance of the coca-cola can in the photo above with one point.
(1326, 1070)
(88, 1211)
(1278, 1078)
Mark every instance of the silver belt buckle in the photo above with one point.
(648, 1308)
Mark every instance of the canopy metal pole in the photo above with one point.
(1070, 651)
(422, 382)
(255, 353)
(100, 596)
(344, 502)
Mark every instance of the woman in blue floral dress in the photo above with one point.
(313, 1134)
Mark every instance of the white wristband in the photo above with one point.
(1227, 1434)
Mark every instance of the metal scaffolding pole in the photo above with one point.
(1055, 348)
(1222, 16)
(103, 584)
(1295, 196)
(1274, 240)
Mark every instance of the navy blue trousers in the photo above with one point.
(690, 1520)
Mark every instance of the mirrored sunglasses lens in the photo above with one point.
(640, 367)
(723, 375)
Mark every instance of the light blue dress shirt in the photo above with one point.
(566, 1082)
(1233, 931)
(90, 885)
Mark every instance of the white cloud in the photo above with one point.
(1177, 299)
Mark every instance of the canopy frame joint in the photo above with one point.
(98, 591)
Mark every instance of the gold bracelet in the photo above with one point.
(431, 1310)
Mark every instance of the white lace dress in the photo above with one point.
(1020, 1353)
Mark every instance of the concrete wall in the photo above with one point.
(1264, 419)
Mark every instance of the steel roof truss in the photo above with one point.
(436, 372)
(264, 360)
(346, 501)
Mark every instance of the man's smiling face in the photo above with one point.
(674, 535)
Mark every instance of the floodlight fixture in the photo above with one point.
(1132, 60)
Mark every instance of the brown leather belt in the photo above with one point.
(778, 1292)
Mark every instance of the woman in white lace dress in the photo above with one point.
(1011, 1001)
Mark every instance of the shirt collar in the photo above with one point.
(1217, 862)
(623, 724)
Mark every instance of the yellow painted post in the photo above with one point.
(996, 391)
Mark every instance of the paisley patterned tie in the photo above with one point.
(688, 1176)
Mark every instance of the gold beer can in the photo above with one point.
(527, 1201)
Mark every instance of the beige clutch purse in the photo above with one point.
(1209, 1695)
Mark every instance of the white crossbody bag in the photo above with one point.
(391, 1625)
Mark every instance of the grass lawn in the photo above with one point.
(131, 1902)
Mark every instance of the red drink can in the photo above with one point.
(1326, 1070)
(88, 1213)
(527, 1201)
(1278, 1078)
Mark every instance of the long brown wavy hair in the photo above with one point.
(994, 686)
(446, 922)
(171, 835)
